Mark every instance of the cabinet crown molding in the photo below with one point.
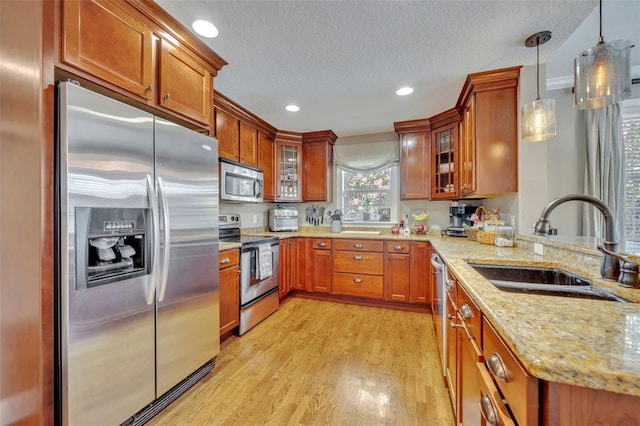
(488, 80)
(410, 126)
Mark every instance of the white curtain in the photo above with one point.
(366, 157)
(604, 172)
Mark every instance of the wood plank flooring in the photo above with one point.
(314, 362)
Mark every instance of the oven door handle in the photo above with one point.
(155, 238)
(167, 239)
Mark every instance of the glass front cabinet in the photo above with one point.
(444, 157)
(288, 173)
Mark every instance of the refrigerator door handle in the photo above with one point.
(167, 242)
(155, 220)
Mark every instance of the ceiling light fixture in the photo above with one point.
(205, 28)
(539, 116)
(292, 108)
(404, 91)
(602, 74)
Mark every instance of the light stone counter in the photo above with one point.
(583, 342)
(224, 245)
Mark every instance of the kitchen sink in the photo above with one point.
(361, 232)
(540, 280)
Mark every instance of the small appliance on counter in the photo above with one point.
(459, 215)
(283, 219)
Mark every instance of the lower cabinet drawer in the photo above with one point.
(519, 388)
(361, 263)
(359, 285)
(490, 403)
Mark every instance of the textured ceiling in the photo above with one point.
(341, 61)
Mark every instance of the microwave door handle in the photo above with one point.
(257, 188)
(167, 242)
(155, 238)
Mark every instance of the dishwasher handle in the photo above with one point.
(437, 262)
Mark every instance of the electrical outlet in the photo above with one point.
(255, 219)
(538, 249)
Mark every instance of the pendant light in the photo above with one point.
(602, 74)
(539, 116)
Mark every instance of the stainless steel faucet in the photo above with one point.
(610, 268)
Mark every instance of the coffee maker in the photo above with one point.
(459, 215)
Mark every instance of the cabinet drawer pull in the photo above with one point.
(466, 311)
(357, 280)
(488, 411)
(149, 88)
(398, 248)
(225, 260)
(454, 325)
(358, 245)
(322, 244)
(498, 368)
(166, 97)
(357, 257)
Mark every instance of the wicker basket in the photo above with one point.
(472, 233)
(488, 237)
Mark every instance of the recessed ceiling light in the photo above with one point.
(205, 28)
(404, 91)
(292, 108)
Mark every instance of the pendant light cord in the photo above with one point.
(601, 38)
(538, 67)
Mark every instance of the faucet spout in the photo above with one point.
(610, 268)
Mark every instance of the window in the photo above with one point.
(631, 137)
(368, 196)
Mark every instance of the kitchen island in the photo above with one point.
(576, 344)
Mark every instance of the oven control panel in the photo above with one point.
(229, 221)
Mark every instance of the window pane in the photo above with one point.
(367, 196)
(631, 136)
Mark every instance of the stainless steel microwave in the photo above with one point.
(240, 183)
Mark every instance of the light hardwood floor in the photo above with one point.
(315, 362)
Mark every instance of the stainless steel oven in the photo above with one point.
(240, 183)
(259, 272)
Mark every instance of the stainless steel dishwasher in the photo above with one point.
(440, 271)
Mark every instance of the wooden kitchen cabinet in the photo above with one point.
(488, 157)
(444, 155)
(358, 268)
(415, 164)
(421, 277)
(266, 155)
(121, 46)
(185, 85)
(398, 271)
(229, 266)
(288, 166)
(287, 260)
(102, 39)
(317, 166)
(237, 141)
(321, 265)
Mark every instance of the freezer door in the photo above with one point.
(188, 305)
(105, 336)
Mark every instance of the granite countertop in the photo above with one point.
(583, 342)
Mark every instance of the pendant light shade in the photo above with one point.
(602, 74)
(538, 117)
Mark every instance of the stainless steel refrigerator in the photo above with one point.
(137, 284)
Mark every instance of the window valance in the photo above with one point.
(366, 157)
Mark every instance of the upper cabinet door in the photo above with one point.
(444, 148)
(227, 133)
(101, 39)
(248, 145)
(266, 154)
(185, 84)
(415, 166)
